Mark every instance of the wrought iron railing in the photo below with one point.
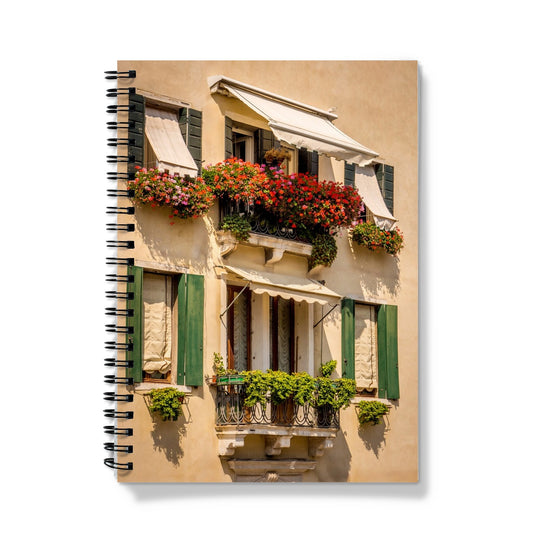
(231, 410)
(259, 221)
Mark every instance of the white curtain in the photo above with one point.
(157, 297)
(366, 370)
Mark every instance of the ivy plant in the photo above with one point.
(167, 403)
(371, 412)
(324, 250)
(282, 386)
(238, 225)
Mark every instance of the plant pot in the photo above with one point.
(229, 379)
(283, 413)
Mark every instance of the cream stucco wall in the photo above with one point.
(377, 105)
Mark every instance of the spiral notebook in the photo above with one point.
(263, 261)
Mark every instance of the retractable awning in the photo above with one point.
(164, 134)
(367, 185)
(287, 287)
(295, 123)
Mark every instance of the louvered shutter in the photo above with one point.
(136, 131)
(190, 330)
(263, 142)
(388, 376)
(349, 174)
(190, 121)
(385, 178)
(348, 338)
(228, 138)
(136, 322)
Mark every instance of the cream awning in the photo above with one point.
(295, 123)
(164, 134)
(287, 287)
(367, 185)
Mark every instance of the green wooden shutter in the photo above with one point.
(136, 130)
(388, 379)
(136, 322)
(190, 121)
(190, 330)
(307, 162)
(385, 177)
(228, 138)
(263, 142)
(349, 174)
(348, 338)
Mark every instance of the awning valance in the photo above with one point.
(295, 123)
(164, 134)
(287, 287)
(367, 185)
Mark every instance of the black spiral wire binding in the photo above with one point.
(121, 346)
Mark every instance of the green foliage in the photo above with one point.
(326, 369)
(304, 388)
(300, 387)
(369, 235)
(220, 368)
(167, 403)
(371, 412)
(324, 250)
(257, 385)
(282, 386)
(238, 225)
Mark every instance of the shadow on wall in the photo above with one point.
(167, 438)
(373, 436)
(190, 239)
(379, 271)
(334, 465)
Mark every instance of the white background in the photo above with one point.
(475, 277)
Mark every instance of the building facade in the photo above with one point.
(201, 292)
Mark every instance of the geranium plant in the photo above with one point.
(372, 237)
(186, 198)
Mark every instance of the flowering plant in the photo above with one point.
(369, 235)
(187, 198)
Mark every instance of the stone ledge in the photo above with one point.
(274, 247)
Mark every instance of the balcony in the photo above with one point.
(275, 238)
(277, 423)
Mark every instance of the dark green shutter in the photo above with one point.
(190, 121)
(349, 174)
(190, 330)
(348, 338)
(228, 138)
(307, 162)
(136, 131)
(385, 177)
(136, 322)
(263, 142)
(389, 386)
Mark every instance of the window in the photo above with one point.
(282, 353)
(160, 326)
(166, 327)
(370, 347)
(238, 326)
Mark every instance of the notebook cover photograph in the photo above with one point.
(263, 271)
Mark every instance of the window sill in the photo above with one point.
(146, 387)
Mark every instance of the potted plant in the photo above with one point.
(371, 412)
(167, 403)
(223, 375)
(282, 389)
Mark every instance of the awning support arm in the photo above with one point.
(234, 299)
(336, 305)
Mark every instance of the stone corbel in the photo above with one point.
(275, 443)
(318, 445)
(273, 255)
(228, 443)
